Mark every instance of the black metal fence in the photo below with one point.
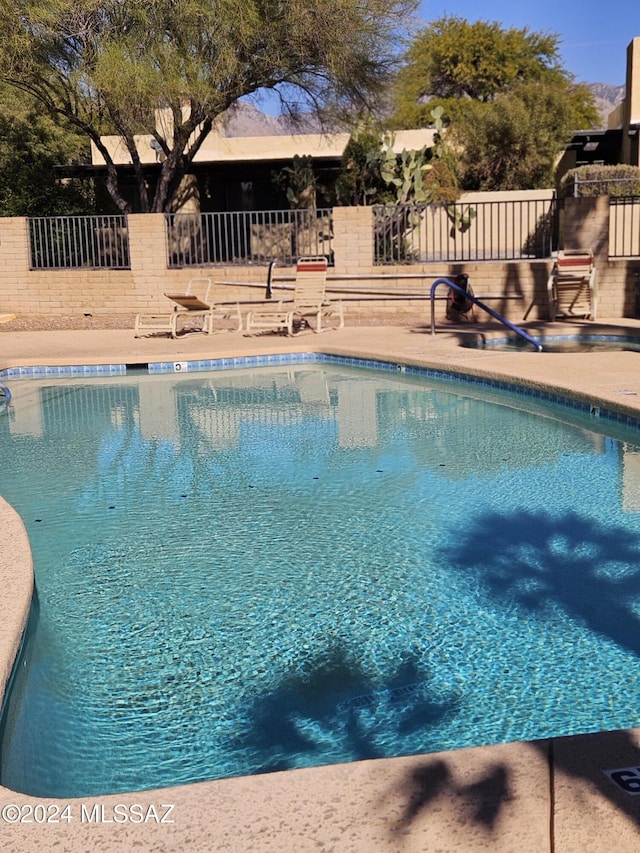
(624, 227)
(619, 187)
(69, 242)
(255, 237)
(521, 229)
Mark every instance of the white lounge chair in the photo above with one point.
(572, 285)
(309, 300)
(192, 305)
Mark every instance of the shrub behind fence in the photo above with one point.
(595, 180)
(68, 242)
(256, 237)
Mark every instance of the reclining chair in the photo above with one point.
(309, 300)
(572, 285)
(193, 305)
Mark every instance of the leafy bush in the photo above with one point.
(589, 181)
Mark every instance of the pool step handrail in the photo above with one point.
(5, 396)
(461, 290)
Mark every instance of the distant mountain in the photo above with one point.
(607, 99)
(245, 119)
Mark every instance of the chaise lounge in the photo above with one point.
(309, 300)
(193, 310)
(572, 285)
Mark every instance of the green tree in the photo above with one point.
(31, 145)
(108, 66)
(513, 142)
(511, 106)
(360, 181)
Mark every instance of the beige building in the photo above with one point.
(237, 173)
(618, 142)
(630, 117)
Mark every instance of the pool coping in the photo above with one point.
(550, 795)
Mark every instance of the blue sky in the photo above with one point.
(594, 36)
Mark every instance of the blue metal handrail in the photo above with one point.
(480, 304)
(4, 392)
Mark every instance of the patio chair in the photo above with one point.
(572, 285)
(192, 311)
(309, 300)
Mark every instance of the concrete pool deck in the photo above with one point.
(536, 797)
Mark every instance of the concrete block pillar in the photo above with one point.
(147, 241)
(584, 224)
(148, 248)
(353, 239)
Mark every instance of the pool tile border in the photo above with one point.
(587, 407)
(63, 370)
(591, 337)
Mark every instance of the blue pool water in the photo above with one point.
(246, 571)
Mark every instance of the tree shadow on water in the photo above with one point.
(592, 570)
(331, 707)
(532, 559)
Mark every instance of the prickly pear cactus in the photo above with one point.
(405, 173)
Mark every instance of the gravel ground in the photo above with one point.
(126, 321)
(77, 321)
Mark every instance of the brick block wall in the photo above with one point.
(584, 224)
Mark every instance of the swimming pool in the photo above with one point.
(260, 569)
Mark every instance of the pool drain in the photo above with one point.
(391, 694)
